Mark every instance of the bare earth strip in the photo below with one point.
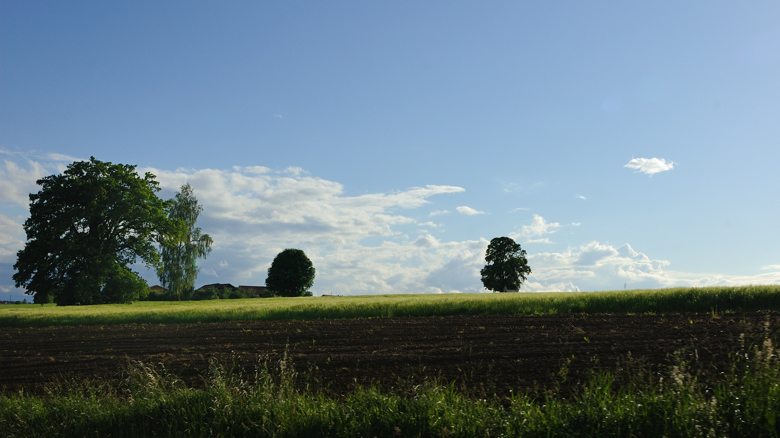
(497, 352)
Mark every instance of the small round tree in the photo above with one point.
(506, 267)
(291, 274)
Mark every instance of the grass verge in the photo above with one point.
(745, 401)
(715, 299)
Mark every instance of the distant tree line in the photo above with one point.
(209, 293)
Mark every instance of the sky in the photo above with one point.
(623, 145)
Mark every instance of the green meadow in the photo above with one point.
(714, 299)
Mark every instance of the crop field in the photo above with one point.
(723, 299)
(641, 363)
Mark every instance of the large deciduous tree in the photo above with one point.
(181, 249)
(291, 274)
(506, 266)
(86, 226)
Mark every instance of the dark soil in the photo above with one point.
(492, 353)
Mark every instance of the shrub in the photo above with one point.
(205, 294)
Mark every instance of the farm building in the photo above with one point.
(218, 286)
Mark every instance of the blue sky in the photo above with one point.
(618, 143)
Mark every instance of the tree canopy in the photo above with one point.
(506, 266)
(291, 273)
(86, 226)
(181, 249)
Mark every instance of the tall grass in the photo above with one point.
(745, 402)
(720, 299)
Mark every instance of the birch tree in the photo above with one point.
(181, 249)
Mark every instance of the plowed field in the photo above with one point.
(497, 352)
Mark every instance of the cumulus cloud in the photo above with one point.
(468, 211)
(425, 265)
(20, 171)
(650, 166)
(458, 271)
(597, 266)
(426, 241)
(12, 238)
(536, 232)
(17, 182)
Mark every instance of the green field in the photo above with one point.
(717, 299)
(276, 402)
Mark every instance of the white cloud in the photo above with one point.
(209, 272)
(701, 280)
(294, 170)
(426, 241)
(597, 266)
(515, 210)
(20, 171)
(423, 266)
(12, 238)
(531, 286)
(770, 268)
(582, 197)
(17, 182)
(535, 232)
(62, 158)
(438, 212)
(650, 166)
(468, 210)
(50, 158)
(252, 169)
